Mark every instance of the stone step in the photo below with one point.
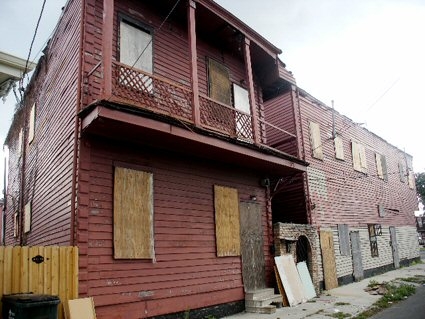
(263, 302)
(259, 294)
(266, 309)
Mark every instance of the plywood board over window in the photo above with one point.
(227, 221)
(339, 148)
(359, 157)
(316, 141)
(27, 217)
(133, 214)
(402, 171)
(381, 166)
(219, 82)
(31, 129)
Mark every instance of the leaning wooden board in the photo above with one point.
(291, 281)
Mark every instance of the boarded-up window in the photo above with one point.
(344, 240)
(227, 221)
(20, 142)
(27, 217)
(373, 240)
(381, 166)
(133, 214)
(315, 141)
(15, 225)
(339, 148)
(411, 180)
(402, 171)
(359, 157)
(136, 51)
(219, 87)
(31, 128)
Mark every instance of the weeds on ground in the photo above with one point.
(340, 315)
(339, 303)
(395, 294)
(418, 279)
(373, 283)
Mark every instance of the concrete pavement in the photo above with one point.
(350, 299)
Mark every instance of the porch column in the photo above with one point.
(108, 27)
(248, 66)
(193, 62)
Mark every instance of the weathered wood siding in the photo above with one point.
(341, 195)
(49, 157)
(187, 273)
(279, 111)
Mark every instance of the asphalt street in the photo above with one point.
(411, 308)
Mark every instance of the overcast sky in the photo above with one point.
(366, 55)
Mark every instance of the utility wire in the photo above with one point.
(32, 43)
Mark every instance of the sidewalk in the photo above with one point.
(350, 299)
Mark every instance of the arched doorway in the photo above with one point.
(303, 251)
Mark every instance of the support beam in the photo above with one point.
(193, 55)
(108, 29)
(254, 111)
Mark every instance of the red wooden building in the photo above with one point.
(144, 141)
(164, 139)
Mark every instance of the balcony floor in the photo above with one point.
(142, 127)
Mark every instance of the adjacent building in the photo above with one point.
(171, 145)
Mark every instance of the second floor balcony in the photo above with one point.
(192, 86)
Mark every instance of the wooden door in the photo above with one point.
(328, 259)
(253, 265)
(394, 247)
(356, 252)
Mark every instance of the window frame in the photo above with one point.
(373, 239)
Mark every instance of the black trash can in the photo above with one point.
(23, 306)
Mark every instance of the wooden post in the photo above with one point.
(193, 62)
(248, 66)
(108, 29)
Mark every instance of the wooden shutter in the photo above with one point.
(133, 214)
(339, 148)
(316, 142)
(219, 82)
(344, 240)
(227, 221)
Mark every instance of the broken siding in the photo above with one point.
(187, 273)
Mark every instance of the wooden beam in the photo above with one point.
(254, 111)
(108, 29)
(193, 62)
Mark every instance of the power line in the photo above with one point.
(32, 43)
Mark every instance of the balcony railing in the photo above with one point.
(139, 89)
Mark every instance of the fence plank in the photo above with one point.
(56, 275)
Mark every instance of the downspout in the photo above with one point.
(78, 105)
(306, 187)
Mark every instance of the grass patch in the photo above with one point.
(373, 283)
(342, 303)
(418, 279)
(394, 295)
(340, 315)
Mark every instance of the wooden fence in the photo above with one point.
(49, 270)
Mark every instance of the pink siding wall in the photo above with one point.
(49, 157)
(187, 274)
(338, 192)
